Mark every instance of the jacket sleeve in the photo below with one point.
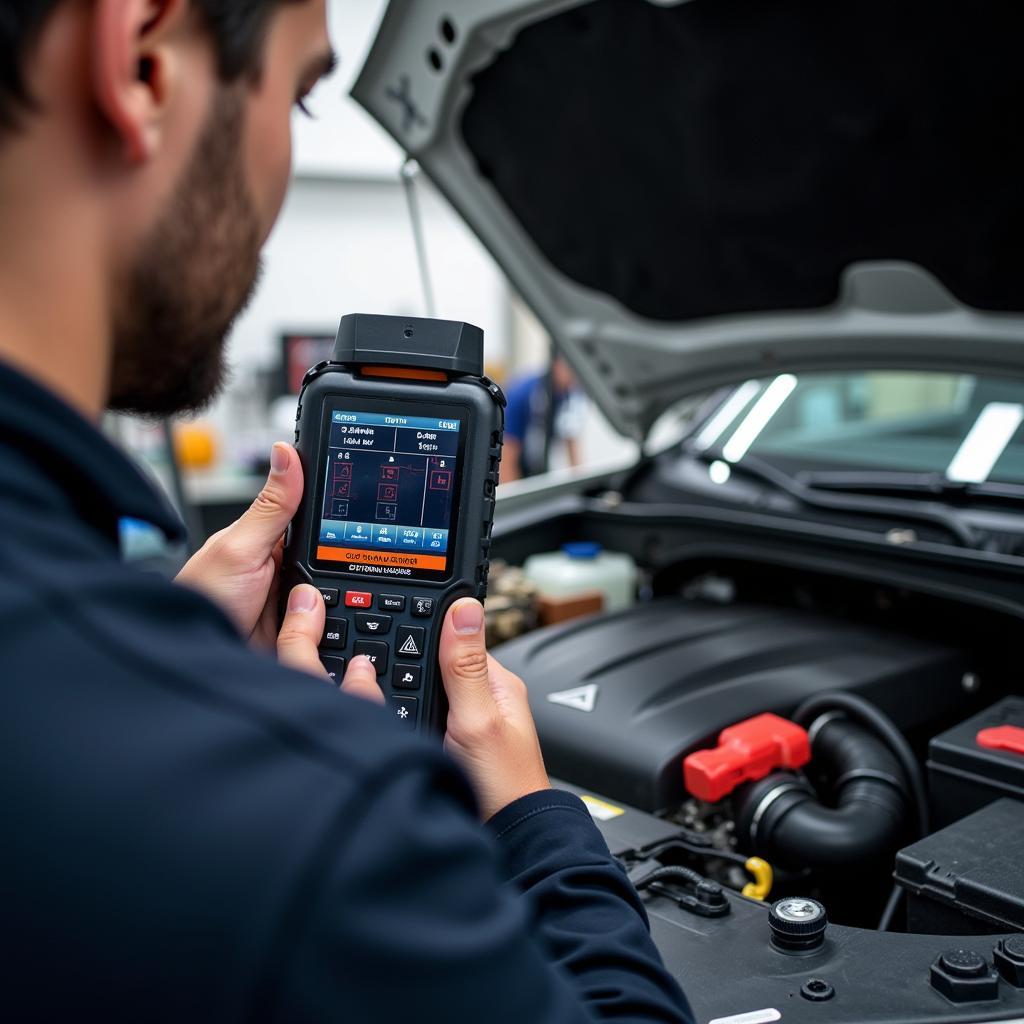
(585, 910)
(410, 919)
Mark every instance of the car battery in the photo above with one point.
(968, 878)
(977, 761)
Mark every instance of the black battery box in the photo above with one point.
(968, 878)
(977, 761)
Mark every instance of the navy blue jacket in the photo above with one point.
(195, 833)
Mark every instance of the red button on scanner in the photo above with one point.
(357, 599)
(1002, 737)
(745, 752)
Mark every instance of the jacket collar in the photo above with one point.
(100, 484)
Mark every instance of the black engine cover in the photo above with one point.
(664, 678)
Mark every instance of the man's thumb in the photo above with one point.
(464, 658)
(302, 630)
(262, 524)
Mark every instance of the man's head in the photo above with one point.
(163, 127)
(563, 376)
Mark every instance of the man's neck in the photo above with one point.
(54, 310)
(74, 380)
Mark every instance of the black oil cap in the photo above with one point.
(366, 339)
(797, 924)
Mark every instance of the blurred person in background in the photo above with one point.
(543, 421)
(197, 830)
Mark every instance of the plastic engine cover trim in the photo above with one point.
(671, 674)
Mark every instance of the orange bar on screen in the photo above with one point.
(396, 559)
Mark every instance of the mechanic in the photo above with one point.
(195, 831)
(542, 407)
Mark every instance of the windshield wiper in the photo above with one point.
(912, 510)
(913, 485)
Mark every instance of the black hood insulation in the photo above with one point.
(725, 156)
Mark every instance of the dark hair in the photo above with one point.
(237, 26)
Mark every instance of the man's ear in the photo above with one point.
(134, 68)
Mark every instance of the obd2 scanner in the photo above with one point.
(400, 437)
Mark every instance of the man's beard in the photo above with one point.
(193, 275)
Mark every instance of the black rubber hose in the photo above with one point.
(784, 820)
(882, 726)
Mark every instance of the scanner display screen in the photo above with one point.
(389, 487)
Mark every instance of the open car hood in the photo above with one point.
(689, 194)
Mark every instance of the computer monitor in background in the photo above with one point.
(300, 351)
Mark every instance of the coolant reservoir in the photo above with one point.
(583, 566)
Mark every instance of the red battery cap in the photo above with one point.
(1002, 737)
(746, 751)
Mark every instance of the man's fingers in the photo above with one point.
(361, 680)
(262, 524)
(463, 657)
(301, 631)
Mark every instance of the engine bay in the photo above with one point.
(767, 728)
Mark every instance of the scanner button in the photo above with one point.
(373, 625)
(376, 651)
(335, 634)
(407, 677)
(410, 641)
(422, 607)
(404, 709)
(335, 669)
(330, 596)
(358, 599)
(391, 602)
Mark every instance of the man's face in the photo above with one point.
(197, 263)
(564, 379)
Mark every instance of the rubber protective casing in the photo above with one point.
(483, 403)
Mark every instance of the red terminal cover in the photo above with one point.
(1002, 737)
(746, 751)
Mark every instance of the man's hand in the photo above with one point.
(300, 634)
(490, 727)
(238, 567)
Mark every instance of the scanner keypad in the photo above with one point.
(393, 631)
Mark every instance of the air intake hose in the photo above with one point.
(782, 819)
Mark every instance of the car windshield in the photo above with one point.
(960, 426)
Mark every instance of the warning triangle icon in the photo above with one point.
(582, 698)
(409, 647)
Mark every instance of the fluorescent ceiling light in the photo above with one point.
(731, 408)
(985, 442)
(759, 416)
